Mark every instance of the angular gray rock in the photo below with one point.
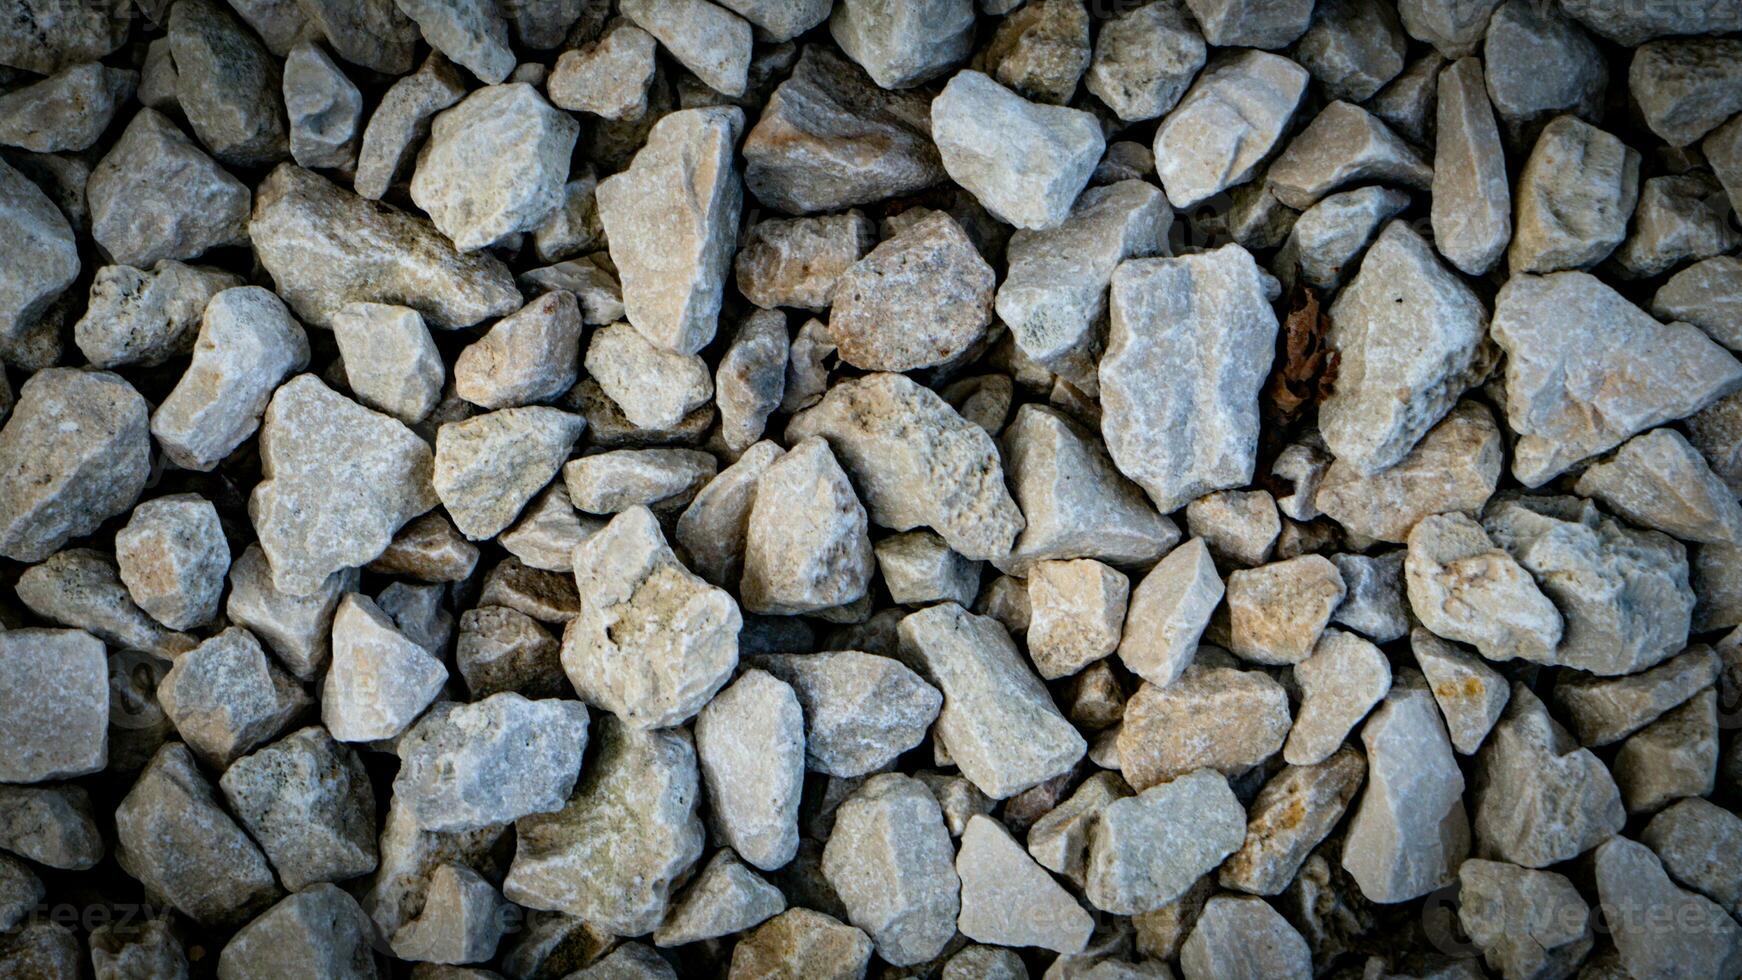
(172, 557)
(68, 110)
(802, 943)
(1343, 679)
(724, 898)
(1464, 587)
(608, 77)
(401, 122)
(225, 697)
(998, 721)
(1527, 923)
(1344, 144)
(1471, 695)
(475, 204)
(1190, 345)
(1453, 26)
(1294, 811)
(548, 530)
(488, 466)
(156, 195)
(325, 109)
(390, 359)
(462, 920)
(901, 45)
(712, 529)
(50, 825)
(1409, 832)
(1631, 24)
(74, 452)
(1678, 218)
(629, 832)
(806, 546)
(830, 138)
(1009, 900)
(1243, 939)
(339, 480)
(1539, 62)
(614, 481)
(1686, 87)
(174, 837)
(709, 40)
(248, 344)
(1144, 59)
(652, 642)
(1659, 928)
(471, 32)
(370, 33)
(1472, 209)
(379, 680)
(1167, 613)
(1575, 196)
(1539, 798)
(54, 704)
(1041, 50)
(490, 762)
(308, 801)
(915, 462)
(1602, 710)
(46, 37)
(1076, 609)
(297, 628)
(1251, 23)
(918, 568)
(1147, 850)
(891, 861)
(750, 742)
(1705, 294)
(1023, 161)
(798, 261)
(1658, 480)
(1276, 612)
(751, 380)
(1214, 717)
(919, 299)
(671, 219)
(1352, 47)
(1227, 123)
(1696, 841)
(228, 85)
(529, 356)
(654, 387)
(860, 710)
(1674, 757)
(135, 316)
(1455, 467)
(319, 931)
(1239, 526)
(1328, 239)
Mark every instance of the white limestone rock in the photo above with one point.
(172, 557)
(655, 387)
(488, 466)
(489, 762)
(707, 39)
(54, 704)
(1226, 125)
(890, 860)
(861, 711)
(1009, 900)
(903, 44)
(380, 680)
(391, 362)
(1144, 59)
(1464, 587)
(1147, 850)
(750, 741)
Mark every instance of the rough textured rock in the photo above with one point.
(401, 122)
(1025, 162)
(1190, 345)
(172, 834)
(319, 443)
(1471, 213)
(861, 711)
(325, 109)
(1471, 695)
(391, 362)
(1290, 816)
(307, 800)
(297, 628)
(1277, 611)
(1659, 928)
(654, 387)
(1540, 799)
(1705, 295)
(380, 680)
(462, 920)
(248, 343)
(136, 316)
(1658, 480)
(916, 462)
(917, 300)
(652, 642)
(1343, 144)
(1041, 50)
(1243, 939)
(76, 452)
(750, 741)
(319, 931)
(614, 481)
(806, 545)
(225, 697)
(529, 356)
(608, 77)
(471, 32)
(1527, 923)
(1576, 193)
(1539, 62)
(50, 825)
(799, 261)
(998, 722)
(671, 219)
(327, 248)
(830, 138)
(1227, 123)
(156, 195)
(612, 853)
(1678, 219)
(1602, 710)
(1409, 832)
(1343, 679)
(489, 762)
(548, 530)
(1076, 609)
(172, 557)
(1328, 239)
(1009, 900)
(46, 37)
(55, 709)
(82, 587)
(891, 861)
(1353, 47)
(1168, 612)
(1221, 718)
(802, 943)
(67, 110)
(1685, 87)
(229, 86)
(1147, 850)
(487, 467)
(1144, 59)
(1696, 841)
(902, 45)
(1455, 467)
(724, 898)
(1675, 756)
(1464, 587)
(707, 39)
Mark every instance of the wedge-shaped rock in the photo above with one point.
(1147, 850)
(1620, 590)
(861, 711)
(325, 109)
(806, 546)
(652, 642)
(462, 920)
(50, 825)
(471, 32)
(613, 482)
(1191, 343)
(891, 862)
(1539, 62)
(1373, 600)
(401, 122)
(706, 38)
(225, 697)
(921, 298)
(1344, 144)
(1343, 679)
(54, 704)
(750, 742)
(1167, 613)
(830, 138)
(1455, 467)
(1697, 842)
(802, 943)
(1216, 717)
(228, 85)
(68, 110)
(1453, 26)
(1659, 928)
(1328, 239)
(488, 466)
(380, 680)
(654, 387)
(1024, 161)
(491, 761)
(1679, 218)
(1076, 611)
(1409, 336)
(1409, 832)
(1707, 294)
(48, 259)
(248, 344)
(1527, 923)
(724, 898)
(1464, 587)
(1658, 480)
(672, 221)
(1228, 122)
(297, 628)
(1353, 47)
(1144, 59)
(1471, 695)
(1290, 816)
(902, 45)
(1277, 611)
(799, 261)
(390, 360)
(1686, 87)
(1244, 938)
(474, 203)
(156, 195)
(1575, 196)
(1472, 209)
(410, 856)
(172, 557)
(1540, 799)
(1055, 293)
(319, 931)
(82, 587)
(1009, 900)
(548, 530)
(998, 721)
(74, 452)
(144, 317)
(326, 247)
(308, 801)
(713, 528)
(629, 832)
(174, 837)
(529, 356)
(1602, 710)
(915, 462)
(1674, 757)
(339, 480)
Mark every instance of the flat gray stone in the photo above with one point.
(55, 707)
(146, 317)
(919, 299)
(1144, 59)
(1214, 717)
(156, 195)
(1679, 218)
(1453, 26)
(1292, 814)
(390, 359)
(380, 680)
(1168, 612)
(489, 466)
(1471, 694)
(751, 380)
(1243, 939)
(902, 45)
(1464, 587)
(1575, 196)
(1009, 900)
(471, 32)
(891, 861)
(724, 898)
(1276, 612)
(1190, 346)
(1352, 47)
(615, 481)
(308, 801)
(225, 697)
(750, 741)
(629, 832)
(861, 711)
(1686, 86)
(1327, 241)
(998, 721)
(327, 248)
(1025, 162)
(401, 121)
(69, 110)
(1472, 206)
(1454, 468)
(1527, 922)
(319, 931)
(82, 587)
(325, 109)
(1707, 294)
(1227, 123)
(51, 826)
(1147, 850)
(490, 762)
(807, 546)
(297, 628)
(1343, 679)
(1344, 144)
(1658, 927)
(371, 33)
(1539, 62)
(1696, 841)
(1574, 390)
(1659, 481)
(228, 86)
